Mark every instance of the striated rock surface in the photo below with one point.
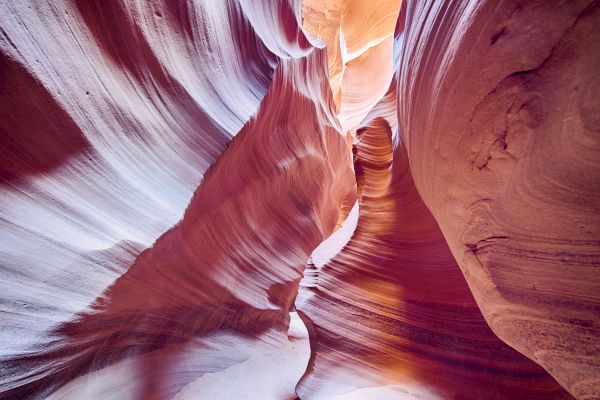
(214, 271)
(498, 109)
(112, 113)
(421, 182)
(392, 311)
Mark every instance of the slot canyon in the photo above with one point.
(300, 199)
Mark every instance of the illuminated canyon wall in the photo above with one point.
(318, 199)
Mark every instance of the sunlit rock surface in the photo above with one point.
(420, 181)
(358, 37)
(229, 367)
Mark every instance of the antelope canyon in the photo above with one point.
(300, 199)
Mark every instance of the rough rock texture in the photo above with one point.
(499, 112)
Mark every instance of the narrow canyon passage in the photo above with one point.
(299, 199)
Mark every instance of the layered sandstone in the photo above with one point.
(420, 182)
(498, 108)
(392, 311)
(107, 131)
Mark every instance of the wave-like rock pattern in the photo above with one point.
(113, 112)
(498, 109)
(359, 38)
(393, 310)
(168, 168)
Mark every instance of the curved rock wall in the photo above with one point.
(498, 108)
(112, 114)
(167, 169)
(392, 310)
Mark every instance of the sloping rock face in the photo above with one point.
(112, 114)
(498, 109)
(168, 172)
(392, 310)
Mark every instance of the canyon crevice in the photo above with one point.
(184, 184)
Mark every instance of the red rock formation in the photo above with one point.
(358, 37)
(106, 155)
(498, 108)
(279, 185)
(141, 247)
(415, 329)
